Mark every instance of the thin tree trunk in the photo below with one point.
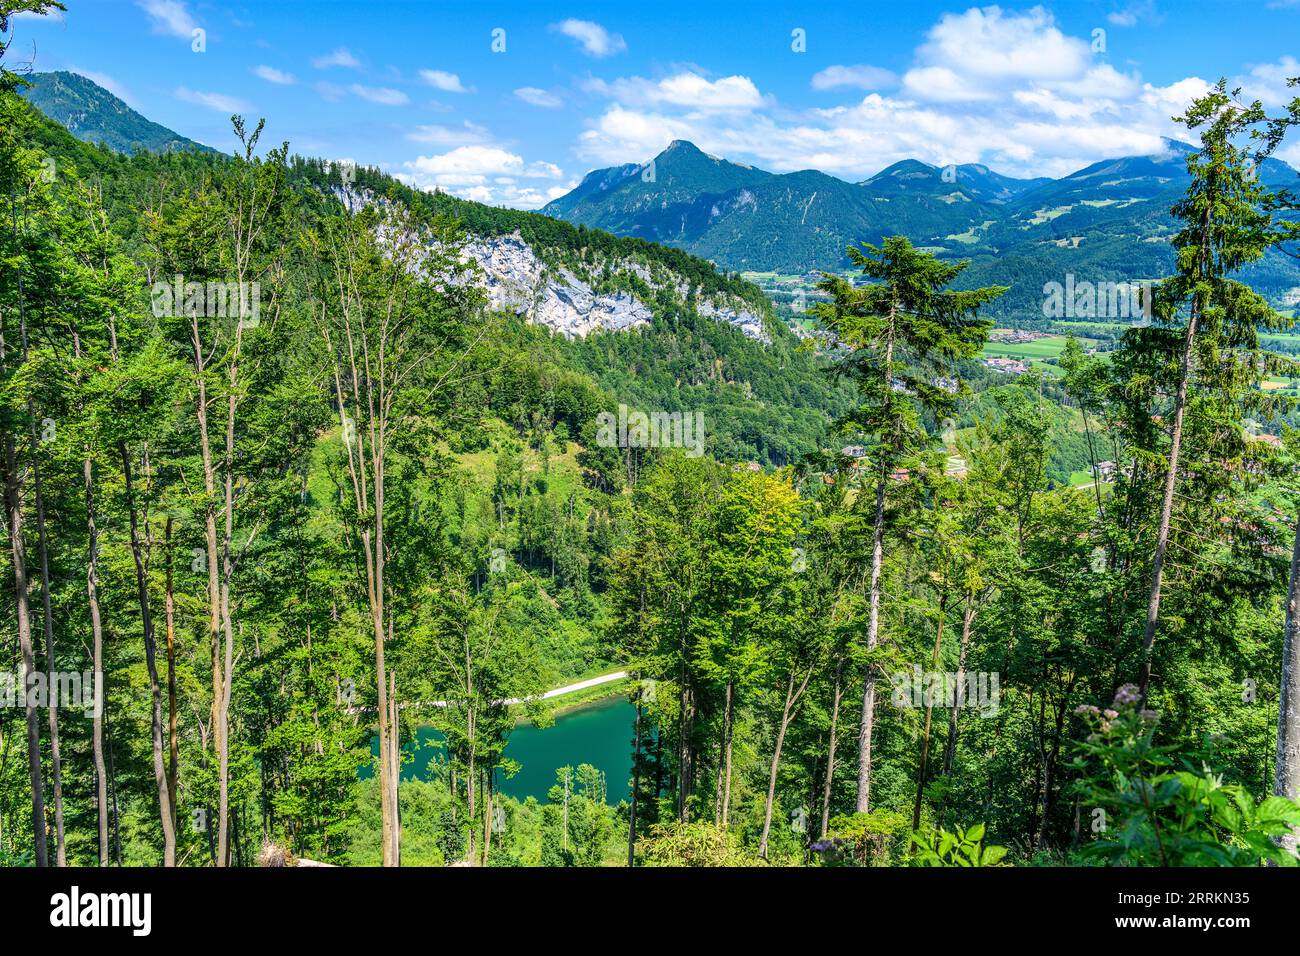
(724, 803)
(51, 663)
(791, 697)
(829, 783)
(867, 725)
(488, 815)
(210, 535)
(13, 505)
(97, 660)
(151, 663)
(395, 760)
(471, 782)
(173, 738)
(97, 641)
(950, 750)
(929, 713)
(227, 575)
(1166, 512)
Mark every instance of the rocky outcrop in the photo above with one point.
(516, 279)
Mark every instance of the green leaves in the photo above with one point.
(1156, 815)
(961, 849)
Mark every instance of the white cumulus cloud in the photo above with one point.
(594, 39)
(1010, 89)
(687, 90)
(169, 16)
(489, 174)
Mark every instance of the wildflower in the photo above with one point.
(1127, 694)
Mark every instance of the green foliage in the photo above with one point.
(962, 848)
(1168, 805)
(692, 844)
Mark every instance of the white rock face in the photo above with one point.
(748, 322)
(515, 279)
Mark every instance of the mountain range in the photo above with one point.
(1109, 221)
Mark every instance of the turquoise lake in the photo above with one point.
(599, 733)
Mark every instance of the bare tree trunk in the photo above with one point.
(151, 663)
(227, 576)
(829, 783)
(210, 535)
(1171, 478)
(395, 759)
(97, 659)
(471, 784)
(97, 640)
(1287, 778)
(173, 738)
(724, 780)
(1166, 509)
(51, 663)
(13, 505)
(489, 810)
(873, 636)
(791, 697)
(684, 706)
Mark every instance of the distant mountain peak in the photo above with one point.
(94, 115)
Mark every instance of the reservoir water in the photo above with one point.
(599, 733)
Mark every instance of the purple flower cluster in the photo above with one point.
(1128, 694)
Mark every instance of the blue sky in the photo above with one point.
(425, 91)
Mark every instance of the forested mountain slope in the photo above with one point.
(702, 339)
(93, 114)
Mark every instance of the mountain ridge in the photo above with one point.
(1108, 221)
(94, 115)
